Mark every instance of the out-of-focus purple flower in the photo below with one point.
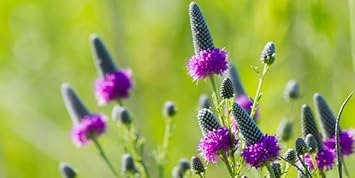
(90, 126)
(347, 140)
(208, 62)
(113, 86)
(246, 104)
(325, 159)
(266, 149)
(214, 143)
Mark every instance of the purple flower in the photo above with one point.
(90, 126)
(347, 141)
(208, 62)
(266, 149)
(214, 143)
(113, 86)
(246, 104)
(325, 159)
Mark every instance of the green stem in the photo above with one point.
(304, 165)
(103, 155)
(165, 146)
(214, 87)
(225, 160)
(292, 164)
(258, 91)
(269, 168)
(346, 171)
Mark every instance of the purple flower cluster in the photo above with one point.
(113, 86)
(266, 149)
(208, 62)
(90, 126)
(215, 142)
(347, 140)
(325, 159)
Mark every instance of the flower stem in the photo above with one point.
(258, 91)
(304, 165)
(104, 157)
(225, 160)
(163, 152)
(269, 168)
(292, 164)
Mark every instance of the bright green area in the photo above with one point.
(45, 42)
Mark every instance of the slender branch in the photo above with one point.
(258, 91)
(337, 128)
(104, 157)
(269, 168)
(294, 165)
(304, 165)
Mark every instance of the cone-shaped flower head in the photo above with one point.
(169, 109)
(127, 164)
(325, 159)
(237, 84)
(204, 102)
(268, 54)
(201, 36)
(121, 115)
(91, 126)
(246, 125)
(346, 142)
(214, 143)
(290, 155)
(292, 90)
(226, 90)
(246, 103)
(73, 104)
(67, 170)
(197, 166)
(180, 170)
(207, 121)
(208, 60)
(311, 143)
(113, 86)
(102, 57)
(301, 146)
(325, 115)
(309, 125)
(285, 129)
(276, 168)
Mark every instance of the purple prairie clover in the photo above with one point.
(113, 86)
(214, 143)
(325, 159)
(266, 149)
(208, 62)
(347, 140)
(90, 127)
(246, 103)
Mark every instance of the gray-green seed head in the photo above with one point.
(169, 109)
(102, 57)
(180, 170)
(67, 170)
(128, 164)
(276, 168)
(311, 143)
(301, 147)
(309, 125)
(201, 36)
(290, 155)
(325, 115)
(246, 125)
(121, 115)
(204, 102)
(197, 166)
(237, 84)
(73, 104)
(226, 90)
(292, 90)
(207, 121)
(268, 54)
(284, 131)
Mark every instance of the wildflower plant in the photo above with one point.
(227, 119)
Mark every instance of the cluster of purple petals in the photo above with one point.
(325, 159)
(90, 126)
(113, 86)
(245, 102)
(215, 142)
(208, 62)
(346, 141)
(266, 149)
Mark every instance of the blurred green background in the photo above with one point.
(45, 42)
